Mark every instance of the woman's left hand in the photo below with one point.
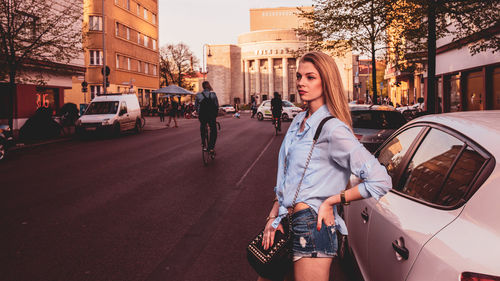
(325, 213)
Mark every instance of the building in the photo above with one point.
(131, 47)
(40, 83)
(265, 59)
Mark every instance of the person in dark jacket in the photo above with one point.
(207, 93)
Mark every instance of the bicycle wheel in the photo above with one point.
(205, 153)
(276, 126)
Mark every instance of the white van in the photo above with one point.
(112, 112)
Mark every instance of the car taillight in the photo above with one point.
(359, 137)
(471, 276)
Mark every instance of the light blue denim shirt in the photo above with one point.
(336, 156)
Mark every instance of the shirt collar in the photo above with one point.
(312, 121)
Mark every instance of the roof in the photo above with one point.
(481, 126)
(357, 107)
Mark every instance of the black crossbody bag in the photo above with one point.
(275, 262)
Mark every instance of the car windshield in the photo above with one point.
(102, 107)
(374, 119)
(287, 104)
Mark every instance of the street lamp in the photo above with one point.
(203, 69)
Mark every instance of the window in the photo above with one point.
(128, 63)
(377, 119)
(128, 5)
(117, 61)
(123, 108)
(139, 66)
(117, 29)
(138, 9)
(116, 2)
(429, 166)
(95, 23)
(95, 90)
(146, 65)
(128, 33)
(95, 57)
(153, 18)
(145, 14)
(154, 69)
(393, 152)
(138, 38)
(146, 41)
(458, 182)
(154, 44)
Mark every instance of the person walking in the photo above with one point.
(172, 113)
(207, 107)
(253, 107)
(335, 155)
(161, 111)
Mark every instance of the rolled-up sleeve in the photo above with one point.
(350, 154)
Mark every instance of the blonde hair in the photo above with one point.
(331, 83)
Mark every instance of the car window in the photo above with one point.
(393, 152)
(429, 166)
(106, 107)
(124, 106)
(457, 184)
(373, 119)
(266, 103)
(287, 104)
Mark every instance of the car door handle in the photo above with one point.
(399, 246)
(364, 215)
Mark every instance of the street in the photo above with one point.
(139, 207)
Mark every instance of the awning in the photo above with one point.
(173, 90)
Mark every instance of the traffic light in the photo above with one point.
(106, 76)
(107, 82)
(84, 86)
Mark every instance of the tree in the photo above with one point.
(176, 62)
(340, 25)
(37, 31)
(470, 23)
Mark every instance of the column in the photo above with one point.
(271, 76)
(285, 79)
(247, 80)
(257, 77)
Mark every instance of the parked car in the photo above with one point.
(6, 140)
(113, 113)
(440, 220)
(228, 108)
(373, 124)
(289, 111)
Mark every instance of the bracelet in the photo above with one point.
(271, 217)
(275, 200)
(342, 198)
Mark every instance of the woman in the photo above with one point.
(336, 155)
(172, 112)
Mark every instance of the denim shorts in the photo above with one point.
(308, 242)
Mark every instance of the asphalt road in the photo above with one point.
(139, 207)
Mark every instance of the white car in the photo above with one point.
(289, 111)
(441, 219)
(228, 108)
(113, 113)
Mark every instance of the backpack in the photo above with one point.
(208, 109)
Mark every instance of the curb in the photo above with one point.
(20, 146)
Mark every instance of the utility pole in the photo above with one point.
(104, 76)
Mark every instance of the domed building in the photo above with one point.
(265, 59)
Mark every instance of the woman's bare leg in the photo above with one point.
(312, 269)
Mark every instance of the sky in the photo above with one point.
(199, 22)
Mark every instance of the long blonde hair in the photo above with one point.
(331, 83)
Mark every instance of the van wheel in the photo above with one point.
(138, 126)
(260, 117)
(285, 117)
(116, 129)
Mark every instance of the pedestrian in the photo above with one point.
(253, 107)
(333, 158)
(172, 114)
(161, 112)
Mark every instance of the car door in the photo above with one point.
(408, 216)
(124, 116)
(357, 214)
(267, 109)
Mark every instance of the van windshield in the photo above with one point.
(102, 107)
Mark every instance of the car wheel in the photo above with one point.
(260, 116)
(2, 151)
(285, 117)
(116, 129)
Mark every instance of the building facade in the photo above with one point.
(265, 59)
(131, 50)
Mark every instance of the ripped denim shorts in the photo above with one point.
(308, 242)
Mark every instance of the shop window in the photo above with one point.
(455, 93)
(475, 91)
(95, 23)
(140, 93)
(496, 88)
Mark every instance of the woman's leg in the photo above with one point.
(312, 269)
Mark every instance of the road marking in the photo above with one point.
(254, 162)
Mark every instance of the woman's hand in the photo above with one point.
(325, 213)
(269, 231)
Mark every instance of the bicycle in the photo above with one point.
(206, 154)
(277, 124)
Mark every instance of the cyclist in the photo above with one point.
(276, 108)
(207, 107)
